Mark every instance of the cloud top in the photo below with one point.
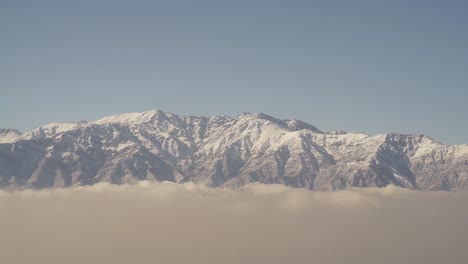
(188, 223)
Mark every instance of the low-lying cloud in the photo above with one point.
(173, 223)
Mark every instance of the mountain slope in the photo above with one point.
(223, 151)
(8, 135)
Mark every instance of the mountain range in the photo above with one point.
(223, 151)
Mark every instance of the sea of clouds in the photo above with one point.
(187, 223)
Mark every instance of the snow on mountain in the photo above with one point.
(8, 135)
(222, 151)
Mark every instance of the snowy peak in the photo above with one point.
(291, 124)
(223, 151)
(295, 125)
(52, 129)
(135, 118)
(8, 135)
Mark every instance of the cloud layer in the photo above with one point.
(173, 223)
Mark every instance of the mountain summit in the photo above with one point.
(222, 151)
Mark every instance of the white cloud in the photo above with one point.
(173, 223)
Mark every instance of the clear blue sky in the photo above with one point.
(373, 66)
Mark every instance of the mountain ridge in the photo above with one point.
(223, 151)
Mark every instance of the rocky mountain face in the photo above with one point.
(223, 151)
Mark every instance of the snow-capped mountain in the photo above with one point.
(222, 151)
(8, 135)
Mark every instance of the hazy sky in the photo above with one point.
(174, 223)
(373, 66)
